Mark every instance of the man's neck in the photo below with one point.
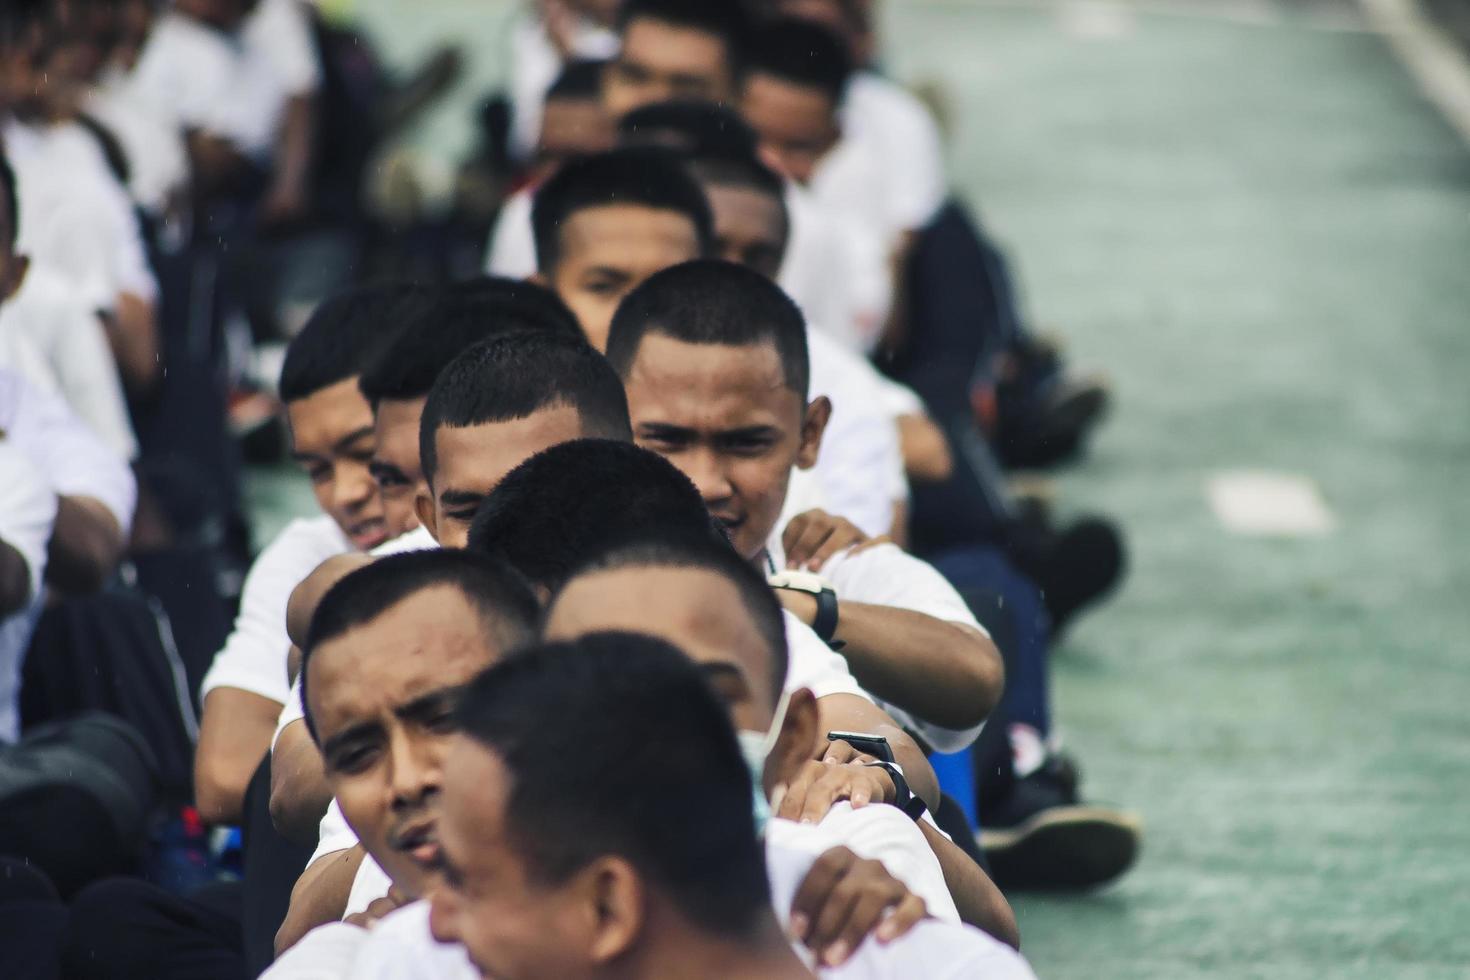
(689, 954)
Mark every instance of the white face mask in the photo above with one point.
(756, 747)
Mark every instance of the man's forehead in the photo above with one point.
(648, 38)
(325, 417)
(612, 229)
(485, 453)
(750, 373)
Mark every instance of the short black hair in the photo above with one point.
(11, 200)
(343, 337)
(19, 17)
(453, 319)
(722, 19)
(516, 375)
(712, 302)
(568, 502)
(803, 53)
(691, 127)
(580, 78)
(645, 176)
(658, 547)
(507, 607)
(582, 728)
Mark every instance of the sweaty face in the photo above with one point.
(726, 418)
(607, 251)
(514, 926)
(750, 227)
(395, 465)
(661, 62)
(797, 125)
(698, 611)
(382, 696)
(570, 128)
(473, 460)
(332, 440)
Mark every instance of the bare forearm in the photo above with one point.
(979, 902)
(15, 580)
(299, 792)
(939, 671)
(132, 331)
(295, 149)
(320, 896)
(86, 545)
(234, 736)
(848, 712)
(926, 455)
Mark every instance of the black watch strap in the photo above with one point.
(825, 624)
(903, 797)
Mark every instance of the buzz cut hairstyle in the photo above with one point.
(579, 79)
(725, 20)
(646, 177)
(802, 53)
(516, 375)
(582, 728)
(451, 321)
(690, 127)
(712, 302)
(659, 547)
(343, 337)
(555, 510)
(507, 607)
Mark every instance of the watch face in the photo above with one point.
(799, 581)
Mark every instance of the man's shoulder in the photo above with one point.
(941, 950)
(401, 941)
(314, 539)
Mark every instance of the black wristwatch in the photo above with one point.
(903, 797)
(825, 624)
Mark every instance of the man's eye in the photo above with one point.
(464, 516)
(353, 760)
(319, 474)
(603, 288)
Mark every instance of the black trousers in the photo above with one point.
(128, 929)
(32, 920)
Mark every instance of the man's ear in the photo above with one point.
(818, 414)
(19, 266)
(423, 506)
(795, 744)
(616, 899)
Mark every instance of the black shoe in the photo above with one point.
(1055, 430)
(1074, 568)
(1041, 838)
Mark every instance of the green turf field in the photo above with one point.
(1253, 223)
(1263, 235)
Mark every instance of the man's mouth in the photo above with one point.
(368, 534)
(419, 841)
(729, 522)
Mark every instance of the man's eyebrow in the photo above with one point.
(664, 429)
(460, 498)
(720, 669)
(350, 734)
(378, 466)
(750, 432)
(612, 272)
(346, 441)
(430, 703)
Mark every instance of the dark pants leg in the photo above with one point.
(127, 929)
(32, 919)
(272, 865)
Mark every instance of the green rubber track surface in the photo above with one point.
(1261, 232)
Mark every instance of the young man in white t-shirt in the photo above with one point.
(714, 357)
(332, 439)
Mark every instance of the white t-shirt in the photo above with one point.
(512, 249)
(254, 656)
(158, 162)
(401, 945)
(75, 218)
(898, 129)
(234, 86)
(71, 355)
(46, 452)
(886, 575)
(836, 268)
(534, 65)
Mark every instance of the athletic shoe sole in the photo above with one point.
(1065, 848)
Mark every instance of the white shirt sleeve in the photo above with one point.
(328, 952)
(899, 128)
(401, 945)
(291, 712)
(27, 510)
(74, 461)
(333, 834)
(513, 242)
(254, 656)
(814, 665)
(283, 29)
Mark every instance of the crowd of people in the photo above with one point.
(675, 606)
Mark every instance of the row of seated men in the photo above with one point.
(598, 228)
